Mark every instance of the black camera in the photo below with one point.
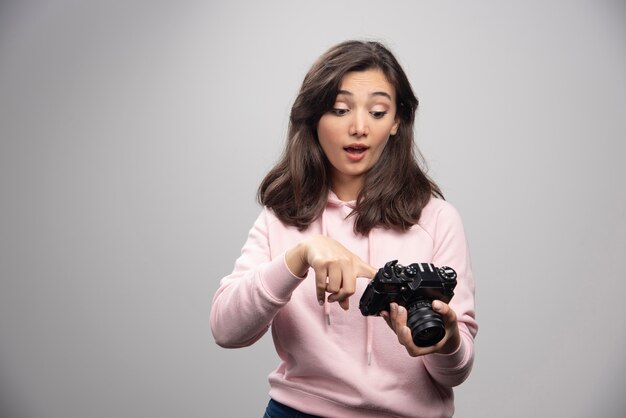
(414, 287)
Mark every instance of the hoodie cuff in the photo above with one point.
(278, 280)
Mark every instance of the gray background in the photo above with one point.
(134, 135)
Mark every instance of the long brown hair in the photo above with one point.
(396, 189)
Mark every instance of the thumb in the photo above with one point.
(444, 310)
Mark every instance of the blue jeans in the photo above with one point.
(278, 410)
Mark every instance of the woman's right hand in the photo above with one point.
(336, 268)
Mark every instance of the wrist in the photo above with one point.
(295, 260)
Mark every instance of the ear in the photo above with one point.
(394, 128)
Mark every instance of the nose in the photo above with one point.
(358, 126)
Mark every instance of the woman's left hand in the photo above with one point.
(396, 319)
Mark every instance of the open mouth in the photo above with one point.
(355, 149)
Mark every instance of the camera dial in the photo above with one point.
(410, 271)
(447, 273)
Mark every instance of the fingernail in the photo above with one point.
(393, 307)
(437, 305)
(400, 309)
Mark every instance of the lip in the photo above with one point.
(356, 151)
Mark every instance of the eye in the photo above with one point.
(378, 114)
(338, 111)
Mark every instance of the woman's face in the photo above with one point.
(355, 131)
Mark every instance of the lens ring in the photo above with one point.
(427, 327)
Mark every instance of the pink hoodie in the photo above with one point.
(337, 363)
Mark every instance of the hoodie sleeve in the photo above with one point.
(248, 299)
(451, 249)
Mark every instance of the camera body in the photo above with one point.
(414, 287)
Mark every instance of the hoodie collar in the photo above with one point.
(333, 200)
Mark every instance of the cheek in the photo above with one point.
(327, 132)
(381, 148)
(329, 138)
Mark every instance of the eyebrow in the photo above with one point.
(376, 93)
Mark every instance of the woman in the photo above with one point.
(347, 196)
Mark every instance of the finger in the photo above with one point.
(393, 315)
(447, 314)
(365, 270)
(452, 339)
(334, 278)
(348, 284)
(399, 324)
(406, 339)
(320, 284)
(342, 297)
(393, 311)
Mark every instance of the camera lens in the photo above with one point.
(426, 325)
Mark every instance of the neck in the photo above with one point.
(347, 189)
